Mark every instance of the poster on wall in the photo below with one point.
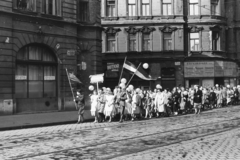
(112, 70)
(199, 69)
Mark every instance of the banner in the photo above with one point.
(96, 78)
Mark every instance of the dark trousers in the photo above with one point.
(122, 109)
(100, 117)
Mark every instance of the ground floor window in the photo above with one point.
(36, 71)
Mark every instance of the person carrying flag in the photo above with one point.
(79, 100)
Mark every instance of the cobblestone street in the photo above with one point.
(212, 135)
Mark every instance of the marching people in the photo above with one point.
(109, 109)
(101, 105)
(197, 100)
(176, 98)
(94, 103)
(123, 97)
(146, 103)
(128, 104)
(79, 100)
(219, 96)
(136, 102)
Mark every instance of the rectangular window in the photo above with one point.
(215, 40)
(83, 8)
(194, 7)
(214, 6)
(26, 5)
(21, 81)
(167, 41)
(132, 42)
(194, 41)
(111, 9)
(49, 81)
(145, 7)
(111, 42)
(52, 7)
(131, 7)
(146, 41)
(35, 81)
(167, 7)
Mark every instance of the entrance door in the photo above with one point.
(193, 82)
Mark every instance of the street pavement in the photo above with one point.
(212, 135)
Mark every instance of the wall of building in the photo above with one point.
(225, 21)
(24, 28)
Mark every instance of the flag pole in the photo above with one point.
(133, 74)
(122, 71)
(71, 87)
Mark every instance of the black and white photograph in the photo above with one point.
(119, 79)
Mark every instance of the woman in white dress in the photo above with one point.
(128, 105)
(109, 107)
(94, 103)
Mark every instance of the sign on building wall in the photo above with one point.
(112, 70)
(199, 69)
(210, 69)
(71, 52)
(49, 77)
(219, 69)
(230, 69)
(20, 77)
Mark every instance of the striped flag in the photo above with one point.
(73, 78)
(138, 71)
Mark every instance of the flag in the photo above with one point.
(73, 78)
(129, 66)
(137, 71)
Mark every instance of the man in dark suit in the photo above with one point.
(123, 97)
(197, 100)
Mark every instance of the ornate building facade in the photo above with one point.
(39, 40)
(184, 42)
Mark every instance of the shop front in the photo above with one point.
(209, 73)
(165, 73)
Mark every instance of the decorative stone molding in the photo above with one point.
(215, 28)
(132, 30)
(195, 29)
(112, 30)
(167, 29)
(146, 29)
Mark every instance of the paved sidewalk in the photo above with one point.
(39, 119)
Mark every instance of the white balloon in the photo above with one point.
(122, 85)
(131, 87)
(145, 65)
(91, 88)
(158, 86)
(123, 80)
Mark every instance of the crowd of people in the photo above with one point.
(130, 104)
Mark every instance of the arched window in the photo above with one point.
(36, 72)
